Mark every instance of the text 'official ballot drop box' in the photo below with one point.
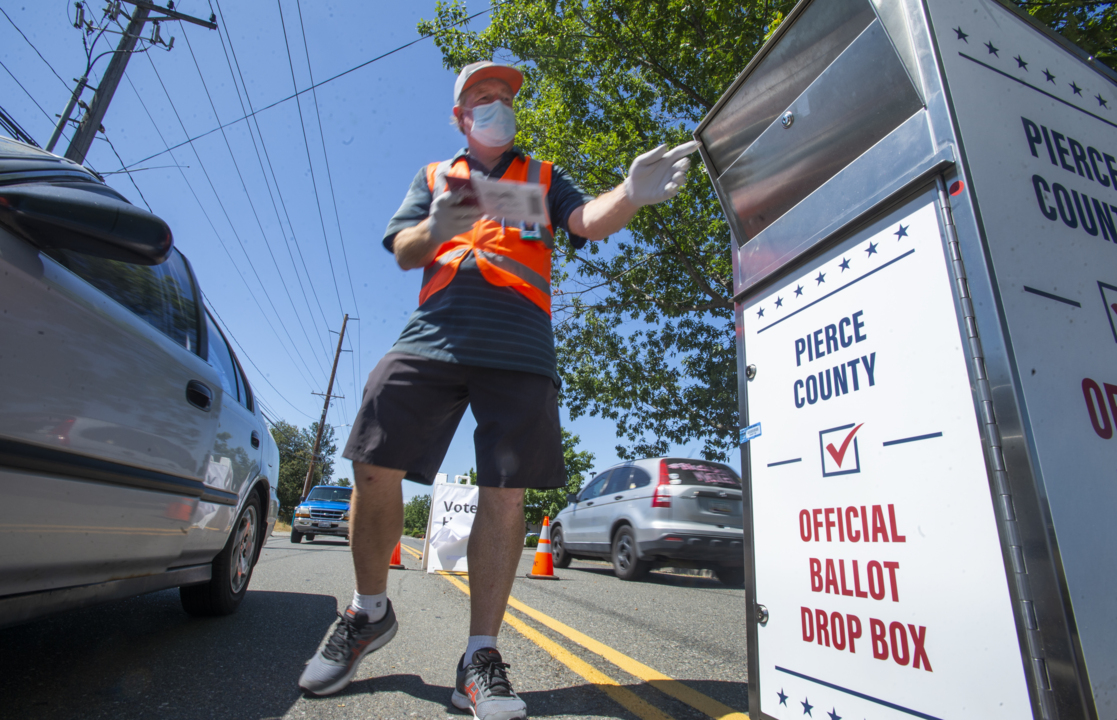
(923, 201)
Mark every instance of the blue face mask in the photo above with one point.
(494, 125)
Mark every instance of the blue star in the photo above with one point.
(779, 302)
(845, 264)
(760, 313)
(872, 248)
(807, 707)
(961, 35)
(902, 232)
(1077, 90)
(992, 50)
(798, 291)
(783, 698)
(834, 714)
(821, 277)
(1020, 63)
(1101, 101)
(1049, 76)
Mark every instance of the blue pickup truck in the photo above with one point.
(324, 512)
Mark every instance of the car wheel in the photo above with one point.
(731, 576)
(296, 536)
(232, 568)
(626, 563)
(559, 556)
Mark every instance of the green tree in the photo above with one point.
(540, 503)
(295, 447)
(345, 482)
(416, 513)
(643, 322)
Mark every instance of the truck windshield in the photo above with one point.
(330, 494)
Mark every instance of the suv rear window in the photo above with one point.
(699, 472)
(330, 494)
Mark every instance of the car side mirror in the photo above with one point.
(572, 498)
(89, 221)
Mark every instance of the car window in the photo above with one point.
(640, 478)
(619, 481)
(220, 359)
(245, 388)
(700, 472)
(594, 488)
(162, 295)
(330, 494)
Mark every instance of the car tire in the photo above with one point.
(731, 576)
(626, 563)
(559, 556)
(296, 536)
(232, 568)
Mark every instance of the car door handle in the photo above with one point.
(619, 497)
(590, 502)
(199, 395)
(255, 439)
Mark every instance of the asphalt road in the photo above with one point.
(585, 646)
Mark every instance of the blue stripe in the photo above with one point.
(863, 696)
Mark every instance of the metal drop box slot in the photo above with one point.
(922, 196)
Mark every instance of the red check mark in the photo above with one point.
(839, 455)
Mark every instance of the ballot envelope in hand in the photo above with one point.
(513, 201)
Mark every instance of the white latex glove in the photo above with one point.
(658, 174)
(449, 218)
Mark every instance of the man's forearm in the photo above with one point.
(414, 247)
(604, 215)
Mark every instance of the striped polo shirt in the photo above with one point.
(470, 321)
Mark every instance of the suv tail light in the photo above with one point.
(662, 496)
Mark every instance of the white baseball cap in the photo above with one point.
(476, 72)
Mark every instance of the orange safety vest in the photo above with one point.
(507, 256)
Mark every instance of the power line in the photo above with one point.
(275, 179)
(225, 211)
(330, 179)
(308, 89)
(244, 185)
(13, 22)
(216, 234)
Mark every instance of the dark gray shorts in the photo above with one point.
(412, 406)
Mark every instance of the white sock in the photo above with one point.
(478, 642)
(375, 606)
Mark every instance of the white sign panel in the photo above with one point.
(877, 553)
(453, 508)
(1039, 129)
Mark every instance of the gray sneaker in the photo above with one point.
(484, 690)
(353, 637)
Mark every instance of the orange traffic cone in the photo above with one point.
(397, 560)
(544, 566)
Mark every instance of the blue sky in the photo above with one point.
(280, 262)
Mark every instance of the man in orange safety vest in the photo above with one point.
(481, 337)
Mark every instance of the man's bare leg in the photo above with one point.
(496, 543)
(375, 524)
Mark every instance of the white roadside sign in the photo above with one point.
(453, 508)
(877, 554)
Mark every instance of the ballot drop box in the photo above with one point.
(923, 203)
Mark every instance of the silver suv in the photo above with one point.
(660, 511)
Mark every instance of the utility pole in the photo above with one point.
(91, 123)
(325, 408)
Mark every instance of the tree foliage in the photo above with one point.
(416, 513)
(643, 322)
(295, 447)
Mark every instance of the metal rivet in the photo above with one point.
(761, 614)
(786, 119)
(750, 372)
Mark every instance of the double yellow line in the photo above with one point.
(626, 698)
